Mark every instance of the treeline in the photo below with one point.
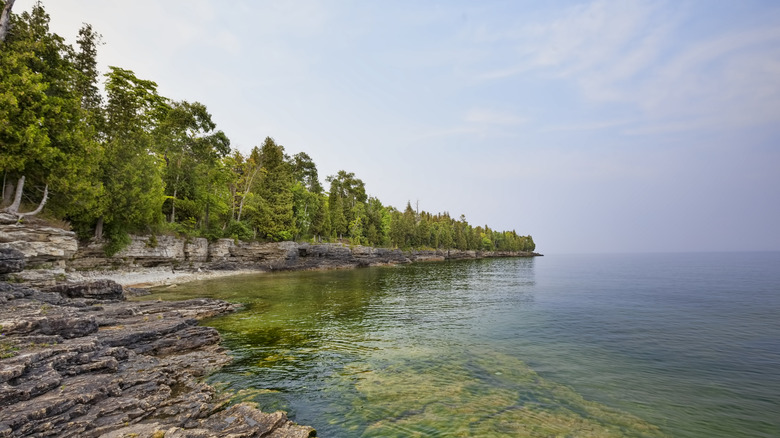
(116, 157)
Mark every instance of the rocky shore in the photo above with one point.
(76, 360)
(54, 255)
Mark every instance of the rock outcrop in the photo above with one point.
(11, 260)
(227, 254)
(76, 361)
(41, 245)
(51, 254)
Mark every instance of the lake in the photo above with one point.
(682, 345)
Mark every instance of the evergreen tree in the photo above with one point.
(131, 170)
(276, 219)
(191, 148)
(43, 134)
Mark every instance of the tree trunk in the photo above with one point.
(40, 206)
(5, 19)
(173, 202)
(99, 229)
(206, 218)
(246, 192)
(8, 193)
(14, 207)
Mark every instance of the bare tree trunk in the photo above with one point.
(5, 19)
(246, 192)
(14, 207)
(8, 191)
(99, 229)
(173, 201)
(40, 206)
(233, 194)
(208, 204)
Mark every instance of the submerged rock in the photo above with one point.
(81, 365)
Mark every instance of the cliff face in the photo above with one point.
(41, 246)
(50, 251)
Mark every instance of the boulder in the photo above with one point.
(96, 290)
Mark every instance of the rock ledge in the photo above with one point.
(82, 362)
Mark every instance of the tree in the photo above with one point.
(43, 132)
(346, 191)
(85, 63)
(356, 225)
(306, 189)
(14, 207)
(191, 148)
(246, 175)
(305, 171)
(377, 223)
(338, 221)
(131, 168)
(275, 220)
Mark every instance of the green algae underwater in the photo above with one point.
(398, 352)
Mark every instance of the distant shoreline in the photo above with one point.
(157, 277)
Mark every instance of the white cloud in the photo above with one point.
(642, 54)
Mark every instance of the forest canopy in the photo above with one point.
(111, 156)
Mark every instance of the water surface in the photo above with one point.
(634, 345)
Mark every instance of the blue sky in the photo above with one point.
(604, 126)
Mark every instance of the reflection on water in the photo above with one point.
(401, 351)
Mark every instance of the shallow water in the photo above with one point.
(643, 345)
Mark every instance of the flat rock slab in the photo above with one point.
(89, 365)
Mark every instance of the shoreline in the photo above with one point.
(155, 277)
(144, 278)
(79, 359)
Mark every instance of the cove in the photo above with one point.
(497, 347)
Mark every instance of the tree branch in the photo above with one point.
(40, 206)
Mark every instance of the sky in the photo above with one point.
(594, 126)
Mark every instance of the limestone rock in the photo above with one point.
(219, 250)
(11, 260)
(150, 251)
(39, 244)
(58, 250)
(86, 367)
(98, 290)
(196, 250)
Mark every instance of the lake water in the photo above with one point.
(681, 345)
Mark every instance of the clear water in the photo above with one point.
(682, 345)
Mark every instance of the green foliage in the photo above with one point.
(43, 129)
(131, 160)
(238, 230)
(118, 239)
(275, 219)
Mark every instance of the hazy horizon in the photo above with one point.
(596, 127)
